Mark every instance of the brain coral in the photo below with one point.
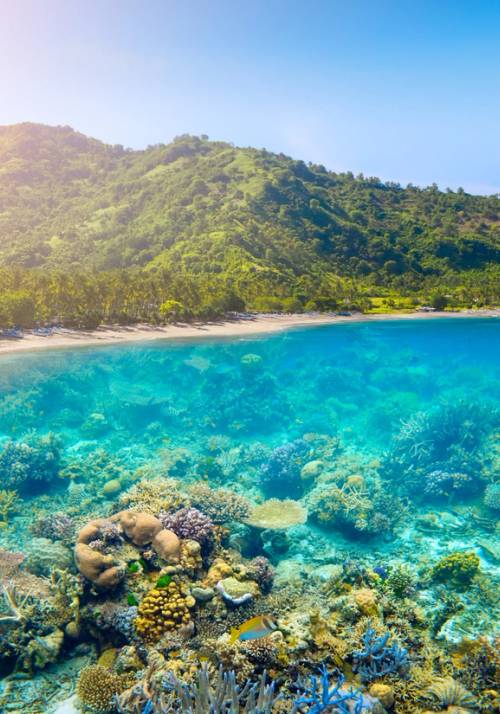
(97, 686)
(163, 609)
(277, 514)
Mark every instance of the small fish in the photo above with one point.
(253, 629)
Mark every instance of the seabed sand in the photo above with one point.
(237, 327)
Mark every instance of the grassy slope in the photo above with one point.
(208, 207)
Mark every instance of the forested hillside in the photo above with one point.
(198, 222)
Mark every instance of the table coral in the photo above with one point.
(277, 514)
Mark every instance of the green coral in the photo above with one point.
(458, 568)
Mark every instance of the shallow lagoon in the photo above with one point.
(384, 432)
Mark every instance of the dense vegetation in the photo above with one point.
(91, 232)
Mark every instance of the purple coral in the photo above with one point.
(263, 572)
(55, 526)
(280, 475)
(190, 523)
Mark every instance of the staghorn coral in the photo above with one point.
(274, 514)
(191, 524)
(163, 609)
(220, 504)
(447, 692)
(97, 687)
(377, 659)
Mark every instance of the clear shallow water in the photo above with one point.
(386, 433)
(357, 381)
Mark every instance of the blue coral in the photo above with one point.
(377, 658)
(322, 696)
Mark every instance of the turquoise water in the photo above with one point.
(358, 382)
(385, 435)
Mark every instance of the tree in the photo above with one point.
(172, 310)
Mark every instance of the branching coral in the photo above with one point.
(154, 495)
(320, 695)
(280, 475)
(189, 523)
(97, 688)
(377, 659)
(220, 504)
(8, 501)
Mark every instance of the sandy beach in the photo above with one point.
(238, 327)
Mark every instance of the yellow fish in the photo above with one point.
(253, 629)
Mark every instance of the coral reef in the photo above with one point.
(376, 659)
(31, 464)
(97, 688)
(280, 475)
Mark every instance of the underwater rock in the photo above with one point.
(311, 470)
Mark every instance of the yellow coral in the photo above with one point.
(7, 505)
(97, 686)
(366, 600)
(162, 610)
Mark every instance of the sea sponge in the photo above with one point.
(275, 514)
(97, 687)
(190, 560)
(366, 601)
(217, 571)
(140, 528)
(167, 545)
(162, 610)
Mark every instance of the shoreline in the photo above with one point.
(238, 327)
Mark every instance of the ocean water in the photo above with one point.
(385, 434)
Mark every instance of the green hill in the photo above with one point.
(264, 223)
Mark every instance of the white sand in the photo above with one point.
(258, 324)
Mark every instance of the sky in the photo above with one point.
(404, 90)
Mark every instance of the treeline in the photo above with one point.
(87, 300)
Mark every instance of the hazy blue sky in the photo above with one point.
(404, 90)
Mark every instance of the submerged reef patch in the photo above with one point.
(329, 495)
